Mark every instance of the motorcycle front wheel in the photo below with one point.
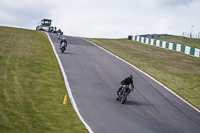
(117, 98)
(123, 100)
(62, 50)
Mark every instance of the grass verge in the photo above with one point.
(177, 71)
(31, 86)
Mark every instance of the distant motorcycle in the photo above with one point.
(63, 47)
(59, 35)
(122, 94)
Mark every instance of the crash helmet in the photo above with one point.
(130, 76)
(64, 38)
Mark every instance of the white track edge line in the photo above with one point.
(147, 76)
(68, 87)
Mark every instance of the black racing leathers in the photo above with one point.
(126, 81)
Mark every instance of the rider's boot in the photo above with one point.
(119, 90)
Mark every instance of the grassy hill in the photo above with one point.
(177, 71)
(31, 86)
(180, 40)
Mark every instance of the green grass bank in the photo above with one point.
(177, 71)
(32, 89)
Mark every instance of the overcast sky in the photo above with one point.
(105, 18)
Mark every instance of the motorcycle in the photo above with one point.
(63, 47)
(59, 35)
(122, 94)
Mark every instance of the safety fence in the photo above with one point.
(171, 46)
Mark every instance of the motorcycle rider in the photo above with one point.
(127, 81)
(59, 31)
(63, 40)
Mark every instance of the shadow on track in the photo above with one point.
(135, 103)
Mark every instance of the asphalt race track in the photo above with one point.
(94, 76)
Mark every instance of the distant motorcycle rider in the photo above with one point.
(59, 31)
(127, 81)
(63, 41)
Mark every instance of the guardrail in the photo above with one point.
(171, 46)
